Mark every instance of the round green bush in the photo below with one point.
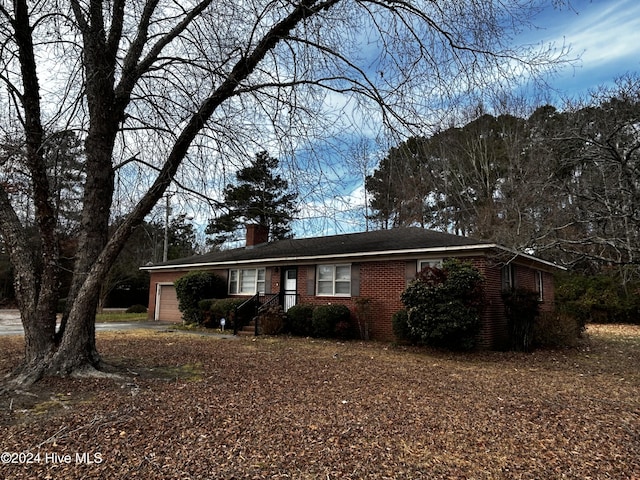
(193, 287)
(443, 305)
(326, 317)
(224, 308)
(299, 320)
(400, 325)
(205, 304)
(136, 309)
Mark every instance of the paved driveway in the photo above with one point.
(10, 324)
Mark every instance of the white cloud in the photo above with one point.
(606, 32)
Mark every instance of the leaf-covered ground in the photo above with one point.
(201, 407)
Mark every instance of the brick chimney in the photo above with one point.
(256, 234)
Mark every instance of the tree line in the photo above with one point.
(561, 184)
(259, 194)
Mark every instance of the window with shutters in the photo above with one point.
(248, 281)
(333, 281)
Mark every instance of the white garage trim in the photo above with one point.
(166, 303)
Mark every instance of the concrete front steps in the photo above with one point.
(248, 330)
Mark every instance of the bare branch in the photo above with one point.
(211, 201)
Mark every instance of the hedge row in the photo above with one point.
(320, 321)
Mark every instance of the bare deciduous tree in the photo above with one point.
(603, 188)
(152, 87)
(563, 184)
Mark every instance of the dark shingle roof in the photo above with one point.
(393, 240)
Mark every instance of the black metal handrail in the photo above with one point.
(254, 301)
(258, 302)
(264, 304)
(274, 300)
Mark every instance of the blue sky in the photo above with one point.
(605, 33)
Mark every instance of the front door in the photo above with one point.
(290, 288)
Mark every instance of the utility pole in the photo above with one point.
(165, 250)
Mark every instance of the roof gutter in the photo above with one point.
(307, 258)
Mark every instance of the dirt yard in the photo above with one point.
(196, 407)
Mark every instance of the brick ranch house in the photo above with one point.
(342, 268)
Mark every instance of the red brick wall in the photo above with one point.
(256, 234)
(384, 281)
(548, 303)
(493, 329)
(526, 278)
(274, 285)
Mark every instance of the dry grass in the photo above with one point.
(203, 408)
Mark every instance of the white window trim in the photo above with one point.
(333, 293)
(540, 285)
(508, 277)
(257, 287)
(431, 262)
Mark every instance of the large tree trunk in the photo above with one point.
(36, 281)
(76, 352)
(105, 116)
(76, 335)
(73, 349)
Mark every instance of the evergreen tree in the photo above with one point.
(259, 196)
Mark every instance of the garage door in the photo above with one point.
(167, 304)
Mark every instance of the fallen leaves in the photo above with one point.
(201, 408)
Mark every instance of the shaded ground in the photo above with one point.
(200, 407)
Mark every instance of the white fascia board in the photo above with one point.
(339, 256)
(530, 257)
(356, 256)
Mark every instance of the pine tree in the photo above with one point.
(259, 196)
